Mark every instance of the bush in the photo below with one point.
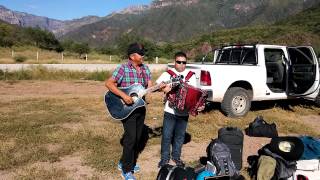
(22, 74)
(54, 62)
(20, 59)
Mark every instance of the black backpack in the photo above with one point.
(169, 172)
(219, 154)
(233, 138)
(260, 128)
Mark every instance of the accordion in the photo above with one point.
(187, 97)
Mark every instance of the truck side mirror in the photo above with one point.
(204, 58)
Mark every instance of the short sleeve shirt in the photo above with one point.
(126, 75)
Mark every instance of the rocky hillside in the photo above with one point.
(298, 30)
(165, 20)
(178, 20)
(58, 27)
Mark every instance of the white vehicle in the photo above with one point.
(241, 74)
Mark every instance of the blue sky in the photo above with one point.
(70, 9)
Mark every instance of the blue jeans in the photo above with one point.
(174, 129)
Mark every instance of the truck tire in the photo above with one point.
(317, 101)
(236, 102)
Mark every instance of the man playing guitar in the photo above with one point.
(132, 72)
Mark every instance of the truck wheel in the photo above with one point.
(236, 102)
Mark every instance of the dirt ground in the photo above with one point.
(30, 89)
(150, 156)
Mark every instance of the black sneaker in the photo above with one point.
(178, 162)
(162, 163)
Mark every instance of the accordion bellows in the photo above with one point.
(187, 97)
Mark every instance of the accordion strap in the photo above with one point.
(174, 75)
(190, 73)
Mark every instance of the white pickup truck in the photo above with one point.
(241, 74)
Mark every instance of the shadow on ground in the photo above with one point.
(287, 105)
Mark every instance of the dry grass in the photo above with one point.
(43, 73)
(52, 57)
(37, 173)
(60, 129)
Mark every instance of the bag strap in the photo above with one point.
(170, 172)
(174, 75)
(190, 73)
(258, 121)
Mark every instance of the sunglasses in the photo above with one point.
(181, 62)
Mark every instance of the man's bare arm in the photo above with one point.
(111, 84)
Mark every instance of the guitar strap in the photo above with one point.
(143, 72)
(144, 78)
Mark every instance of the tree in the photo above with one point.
(152, 50)
(60, 48)
(40, 38)
(67, 44)
(167, 50)
(81, 48)
(108, 50)
(6, 35)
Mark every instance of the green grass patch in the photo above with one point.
(20, 59)
(43, 73)
(98, 75)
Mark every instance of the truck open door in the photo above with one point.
(302, 73)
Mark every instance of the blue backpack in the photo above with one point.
(311, 148)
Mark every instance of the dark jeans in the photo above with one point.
(133, 126)
(174, 129)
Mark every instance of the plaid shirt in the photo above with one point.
(126, 75)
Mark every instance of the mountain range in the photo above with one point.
(58, 27)
(165, 20)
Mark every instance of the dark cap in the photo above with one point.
(136, 48)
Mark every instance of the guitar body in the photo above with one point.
(117, 107)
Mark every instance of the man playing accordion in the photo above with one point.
(175, 119)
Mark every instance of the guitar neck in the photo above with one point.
(154, 88)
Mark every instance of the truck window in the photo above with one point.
(302, 71)
(300, 55)
(275, 67)
(224, 56)
(249, 57)
(241, 55)
(273, 55)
